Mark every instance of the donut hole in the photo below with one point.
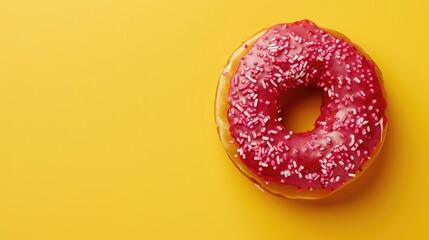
(300, 108)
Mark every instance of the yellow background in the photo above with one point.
(107, 128)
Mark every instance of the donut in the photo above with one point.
(348, 134)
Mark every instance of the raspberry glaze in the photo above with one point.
(352, 119)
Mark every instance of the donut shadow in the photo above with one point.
(367, 186)
(362, 187)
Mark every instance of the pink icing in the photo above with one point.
(352, 118)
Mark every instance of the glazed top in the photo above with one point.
(352, 118)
